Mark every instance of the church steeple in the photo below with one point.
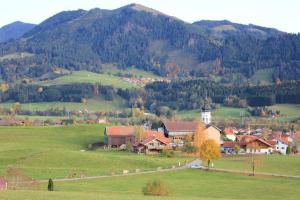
(206, 112)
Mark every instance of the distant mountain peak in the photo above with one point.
(14, 30)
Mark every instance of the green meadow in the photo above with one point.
(59, 152)
(89, 77)
(288, 112)
(93, 104)
(186, 184)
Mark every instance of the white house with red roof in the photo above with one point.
(230, 133)
(153, 143)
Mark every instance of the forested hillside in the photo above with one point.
(138, 36)
(14, 30)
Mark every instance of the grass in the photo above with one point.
(222, 112)
(94, 104)
(288, 112)
(43, 152)
(187, 184)
(278, 164)
(89, 77)
(263, 75)
(16, 56)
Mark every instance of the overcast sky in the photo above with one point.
(281, 14)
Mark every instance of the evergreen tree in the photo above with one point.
(50, 185)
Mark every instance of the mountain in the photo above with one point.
(225, 28)
(137, 36)
(14, 30)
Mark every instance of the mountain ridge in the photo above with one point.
(137, 36)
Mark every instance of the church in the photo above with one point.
(177, 130)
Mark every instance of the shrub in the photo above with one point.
(169, 154)
(155, 188)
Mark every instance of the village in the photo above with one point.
(172, 135)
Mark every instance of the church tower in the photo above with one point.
(206, 113)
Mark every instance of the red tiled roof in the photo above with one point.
(228, 131)
(229, 144)
(119, 130)
(297, 136)
(271, 142)
(180, 125)
(158, 135)
(249, 138)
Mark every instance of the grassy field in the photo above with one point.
(94, 104)
(221, 112)
(277, 164)
(89, 77)
(56, 152)
(188, 184)
(43, 152)
(263, 75)
(288, 112)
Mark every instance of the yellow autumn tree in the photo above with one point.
(199, 136)
(209, 151)
(140, 133)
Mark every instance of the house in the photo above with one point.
(101, 120)
(154, 142)
(3, 184)
(229, 146)
(254, 144)
(281, 146)
(230, 133)
(115, 136)
(178, 130)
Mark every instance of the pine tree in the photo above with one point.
(50, 185)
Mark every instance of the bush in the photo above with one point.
(155, 188)
(169, 154)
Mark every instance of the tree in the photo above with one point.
(200, 136)
(50, 185)
(255, 160)
(140, 133)
(209, 151)
(237, 149)
(288, 150)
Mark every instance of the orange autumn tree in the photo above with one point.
(209, 151)
(199, 136)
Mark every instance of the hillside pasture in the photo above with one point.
(62, 152)
(93, 104)
(89, 77)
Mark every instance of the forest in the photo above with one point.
(125, 37)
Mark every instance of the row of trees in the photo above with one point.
(183, 94)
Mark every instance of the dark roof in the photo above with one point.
(180, 126)
(206, 107)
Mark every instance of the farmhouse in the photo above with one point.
(253, 144)
(177, 130)
(153, 143)
(230, 133)
(115, 136)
